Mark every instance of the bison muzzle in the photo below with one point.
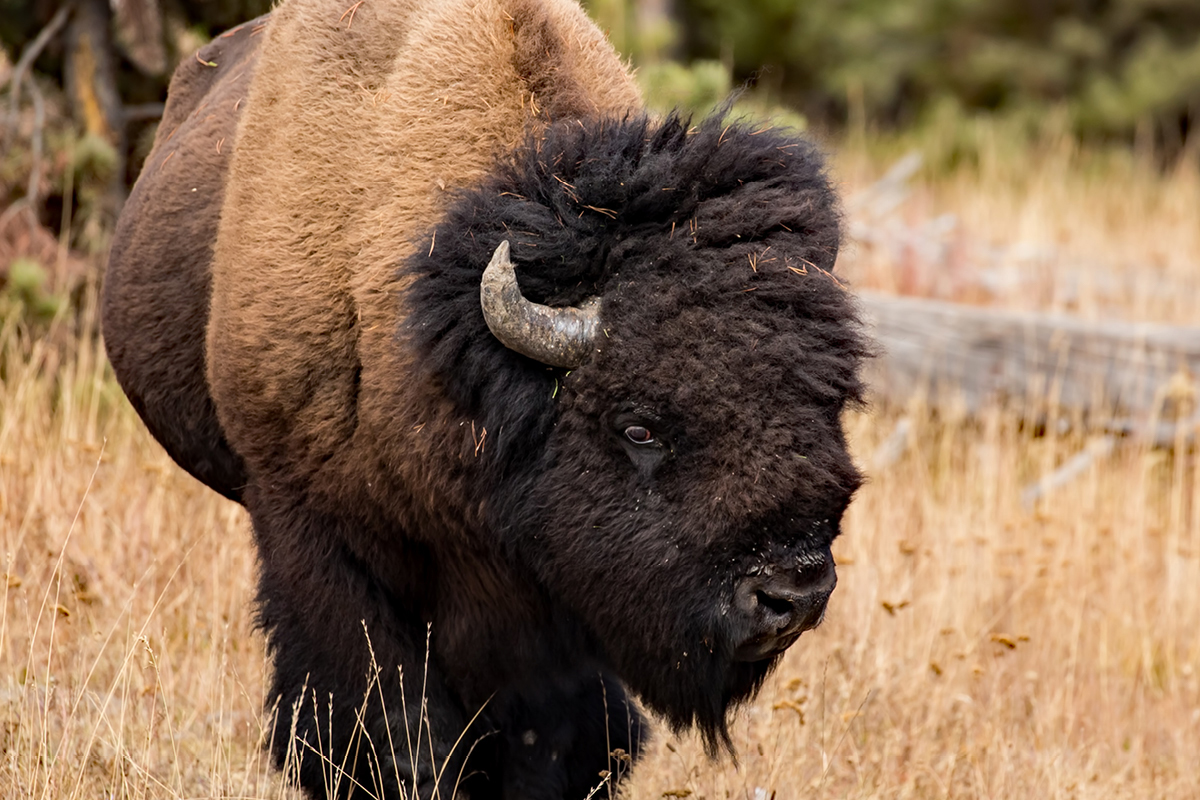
(534, 399)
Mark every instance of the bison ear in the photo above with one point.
(560, 337)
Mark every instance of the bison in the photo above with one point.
(534, 399)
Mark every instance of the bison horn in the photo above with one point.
(561, 337)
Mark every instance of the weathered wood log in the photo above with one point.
(21, 70)
(1046, 363)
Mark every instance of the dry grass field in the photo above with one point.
(974, 647)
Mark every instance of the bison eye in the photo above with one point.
(639, 435)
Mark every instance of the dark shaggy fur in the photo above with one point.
(724, 330)
(508, 586)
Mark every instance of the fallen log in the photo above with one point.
(1047, 364)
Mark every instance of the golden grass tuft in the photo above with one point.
(973, 648)
(128, 665)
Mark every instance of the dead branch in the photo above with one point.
(25, 63)
(892, 448)
(1072, 469)
(34, 188)
(142, 112)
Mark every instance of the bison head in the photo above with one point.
(667, 457)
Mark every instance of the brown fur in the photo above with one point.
(355, 135)
(154, 328)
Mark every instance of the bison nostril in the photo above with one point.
(778, 605)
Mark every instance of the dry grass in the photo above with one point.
(1043, 225)
(977, 650)
(128, 667)
(974, 648)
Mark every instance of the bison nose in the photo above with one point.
(776, 606)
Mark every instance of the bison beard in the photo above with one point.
(460, 543)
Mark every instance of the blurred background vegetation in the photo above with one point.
(82, 84)
(1116, 69)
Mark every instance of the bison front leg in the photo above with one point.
(565, 740)
(361, 710)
